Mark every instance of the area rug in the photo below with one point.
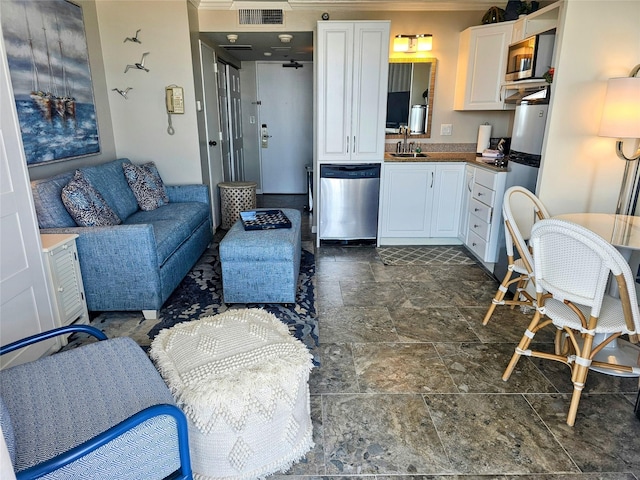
(200, 294)
(425, 255)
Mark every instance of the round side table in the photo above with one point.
(236, 197)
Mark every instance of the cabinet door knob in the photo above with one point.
(474, 244)
(476, 226)
(476, 209)
(61, 289)
(479, 194)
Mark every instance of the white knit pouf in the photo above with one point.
(242, 380)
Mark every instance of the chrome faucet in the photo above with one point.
(404, 142)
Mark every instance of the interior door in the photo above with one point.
(286, 107)
(223, 109)
(25, 307)
(235, 122)
(212, 121)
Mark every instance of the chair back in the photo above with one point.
(521, 209)
(573, 263)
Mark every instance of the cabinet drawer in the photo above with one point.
(483, 194)
(477, 245)
(480, 210)
(479, 227)
(486, 178)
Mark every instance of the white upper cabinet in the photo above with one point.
(352, 71)
(482, 56)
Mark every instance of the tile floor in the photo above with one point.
(410, 382)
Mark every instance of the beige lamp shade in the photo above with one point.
(401, 43)
(425, 43)
(621, 112)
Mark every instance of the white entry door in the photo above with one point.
(285, 97)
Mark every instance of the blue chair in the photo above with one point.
(100, 411)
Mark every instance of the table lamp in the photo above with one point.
(621, 120)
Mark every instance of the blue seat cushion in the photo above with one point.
(173, 224)
(108, 178)
(61, 401)
(262, 245)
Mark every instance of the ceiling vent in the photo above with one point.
(257, 16)
(237, 48)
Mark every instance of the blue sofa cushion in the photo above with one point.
(173, 224)
(146, 184)
(46, 198)
(85, 204)
(76, 388)
(108, 179)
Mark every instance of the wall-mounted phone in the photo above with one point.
(175, 99)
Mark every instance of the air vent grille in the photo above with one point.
(258, 16)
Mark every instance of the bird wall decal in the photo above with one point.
(134, 38)
(123, 92)
(138, 66)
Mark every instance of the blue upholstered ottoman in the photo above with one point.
(261, 266)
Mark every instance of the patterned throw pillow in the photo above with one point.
(86, 205)
(146, 184)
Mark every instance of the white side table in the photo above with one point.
(63, 272)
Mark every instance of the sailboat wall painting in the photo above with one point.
(49, 65)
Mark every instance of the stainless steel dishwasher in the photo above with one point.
(349, 201)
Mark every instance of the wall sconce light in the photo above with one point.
(621, 120)
(232, 37)
(422, 42)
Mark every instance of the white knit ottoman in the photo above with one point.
(241, 380)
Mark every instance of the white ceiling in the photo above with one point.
(300, 48)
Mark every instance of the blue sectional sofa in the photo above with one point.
(137, 264)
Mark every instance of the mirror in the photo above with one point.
(410, 96)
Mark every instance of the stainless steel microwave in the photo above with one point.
(531, 57)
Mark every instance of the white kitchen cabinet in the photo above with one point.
(421, 203)
(63, 271)
(482, 56)
(484, 213)
(352, 72)
(467, 187)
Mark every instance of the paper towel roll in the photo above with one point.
(484, 138)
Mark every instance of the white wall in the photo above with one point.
(140, 123)
(580, 171)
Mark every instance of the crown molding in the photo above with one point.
(377, 5)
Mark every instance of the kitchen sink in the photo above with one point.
(408, 155)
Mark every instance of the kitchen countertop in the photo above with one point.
(434, 157)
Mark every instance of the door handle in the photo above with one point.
(212, 143)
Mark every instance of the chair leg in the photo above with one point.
(522, 346)
(579, 378)
(500, 293)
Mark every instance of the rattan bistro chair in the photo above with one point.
(572, 266)
(520, 210)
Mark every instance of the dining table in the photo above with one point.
(623, 232)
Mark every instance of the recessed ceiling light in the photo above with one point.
(232, 37)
